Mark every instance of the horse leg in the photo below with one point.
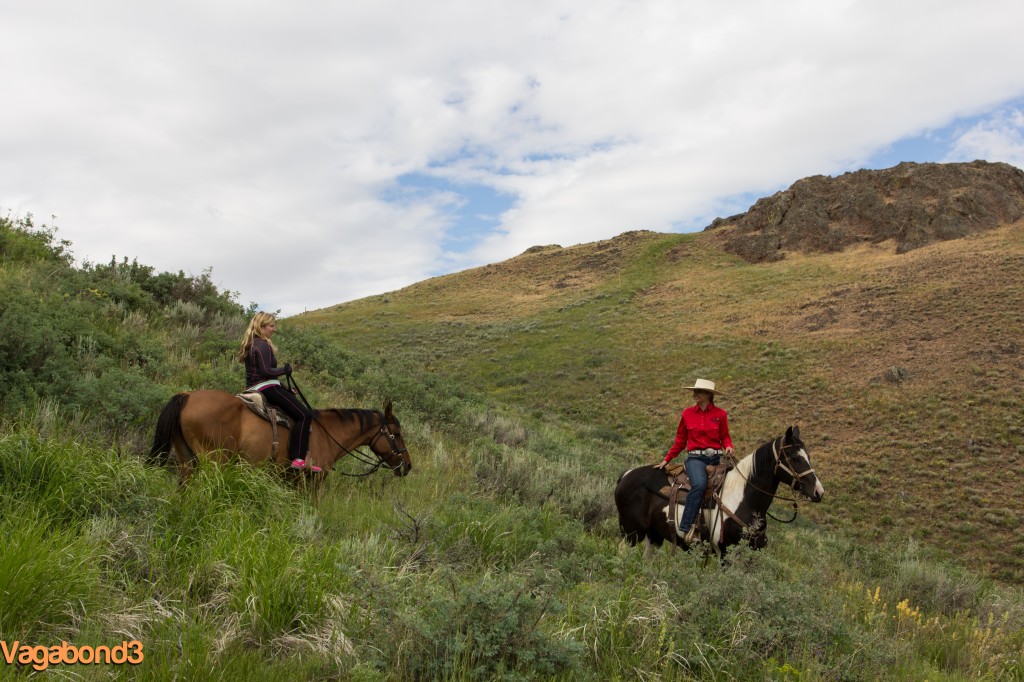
(648, 548)
(186, 460)
(316, 487)
(633, 537)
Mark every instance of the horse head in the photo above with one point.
(388, 444)
(793, 466)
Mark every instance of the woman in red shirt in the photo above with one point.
(704, 432)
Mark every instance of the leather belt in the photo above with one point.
(711, 452)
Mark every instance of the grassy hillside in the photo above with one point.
(497, 558)
(903, 370)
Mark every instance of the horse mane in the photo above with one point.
(366, 418)
(764, 457)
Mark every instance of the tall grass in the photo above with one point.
(50, 576)
(240, 576)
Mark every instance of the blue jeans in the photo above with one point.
(695, 469)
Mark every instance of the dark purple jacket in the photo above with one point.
(260, 364)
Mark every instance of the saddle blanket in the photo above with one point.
(256, 402)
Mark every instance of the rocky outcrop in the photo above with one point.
(913, 204)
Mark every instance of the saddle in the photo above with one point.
(679, 482)
(256, 402)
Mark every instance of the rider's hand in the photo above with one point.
(287, 369)
(728, 451)
(660, 465)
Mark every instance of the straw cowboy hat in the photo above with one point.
(705, 385)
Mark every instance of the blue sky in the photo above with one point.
(324, 151)
(948, 144)
(474, 210)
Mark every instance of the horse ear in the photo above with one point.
(796, 432)
(789, 435)
(387, 410)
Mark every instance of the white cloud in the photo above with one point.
(262, 140)
(999, 137)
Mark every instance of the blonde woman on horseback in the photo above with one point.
(263, 375)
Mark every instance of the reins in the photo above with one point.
(357, 454)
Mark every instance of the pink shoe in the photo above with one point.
(302, 464)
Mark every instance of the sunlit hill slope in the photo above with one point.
(903, 370)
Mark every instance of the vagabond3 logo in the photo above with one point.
(42, 657)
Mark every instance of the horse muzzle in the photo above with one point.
(404, 469)
(816, 494)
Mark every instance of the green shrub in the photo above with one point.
(21, 241)
(489, 627)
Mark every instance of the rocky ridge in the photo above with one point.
(913, 204)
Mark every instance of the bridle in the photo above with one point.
(779, 447)
(385, 430)
(396, 451)
(779, 465)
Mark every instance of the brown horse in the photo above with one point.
(218, 425)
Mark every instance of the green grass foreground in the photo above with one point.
(239, 576)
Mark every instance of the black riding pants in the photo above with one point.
(288, 402)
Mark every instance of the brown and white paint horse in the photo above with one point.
(747, 492)
(219, 426)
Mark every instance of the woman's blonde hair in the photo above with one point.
(255, 331)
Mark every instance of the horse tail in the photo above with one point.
(632, 500)
(168, 427)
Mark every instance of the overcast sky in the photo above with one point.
(315, 152)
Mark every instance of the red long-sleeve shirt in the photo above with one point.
(700, 429)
